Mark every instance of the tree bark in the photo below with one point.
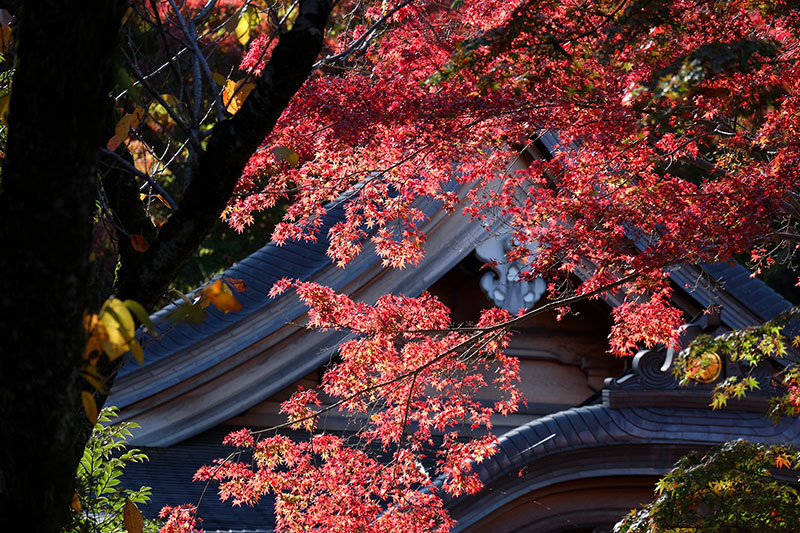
(57, 117)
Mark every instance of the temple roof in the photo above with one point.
(599, 441)
(196, 376)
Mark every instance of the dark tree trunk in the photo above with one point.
(59, 109)
(58, 115)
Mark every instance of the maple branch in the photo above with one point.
(406, 411)
(465, 344)
(783, 235)
(130, 167)
(231, 144)
(364, 39)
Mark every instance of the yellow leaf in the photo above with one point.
(234, 94)
(136, 117)
(89, 406)
(126, 16)
(96, 332)
(158, 116)
(220, 295)
(143, 197)
(283, 153)
(170, 100)
(95, 342)
(123, 127)
(132, 519)
(76, 502)
(94, 382)
(720, 487)
(243, 28)
(118, 322)
(219, 79)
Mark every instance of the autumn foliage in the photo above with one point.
(675, 137)
(412, 386)
(649, 134)
(738, 486)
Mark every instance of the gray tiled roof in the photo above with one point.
(592, 434)
(760, 298)
(259, 271)
(585, 428)
(169, 472)
(198, 376)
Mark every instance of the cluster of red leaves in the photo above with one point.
(179, 519)
(406, 379)
(676, 127)
(677, 140)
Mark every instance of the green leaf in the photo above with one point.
(141, 314)
(136, 351)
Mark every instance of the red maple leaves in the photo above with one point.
(405, 378)
(642, 135)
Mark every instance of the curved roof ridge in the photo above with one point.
(583, 431)
(304, 259)
(210, 372)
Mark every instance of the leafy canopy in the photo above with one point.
(738, 486)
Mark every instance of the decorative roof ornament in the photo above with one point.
(502, 284)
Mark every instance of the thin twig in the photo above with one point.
(135, 171)
(363, 40)
(480, 332)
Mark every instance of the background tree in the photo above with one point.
(101, 503)
(738, 486)
(58, 120)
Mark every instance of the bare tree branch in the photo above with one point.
(233, 141)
